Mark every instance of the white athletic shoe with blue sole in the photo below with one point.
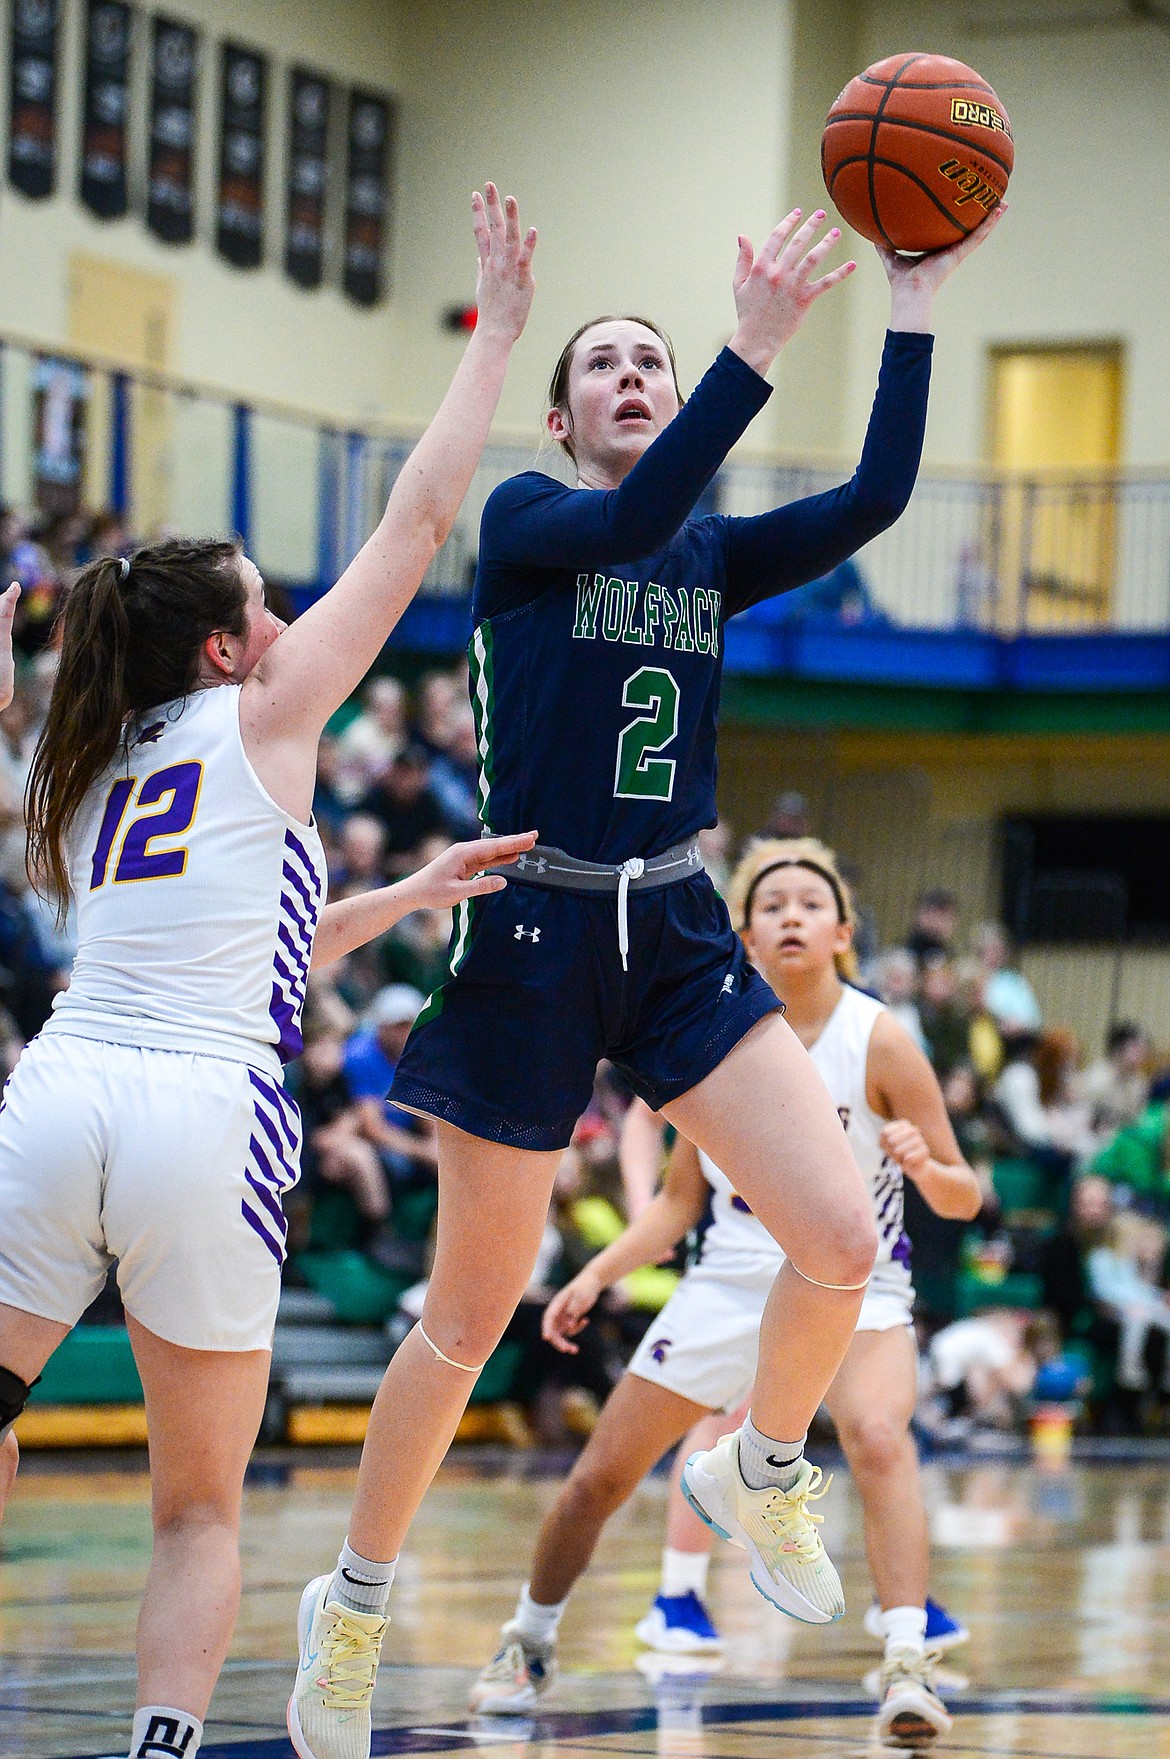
(789, 1565)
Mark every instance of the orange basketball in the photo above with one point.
(917, 151)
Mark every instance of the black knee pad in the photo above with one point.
(13, 1398)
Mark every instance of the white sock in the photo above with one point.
(537, 1623)
(904, 1627)
(764, 1462)
(162, 1733)
(359, 1584)
(684, 1572)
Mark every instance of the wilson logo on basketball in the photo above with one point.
(969, 186)
(981, 115)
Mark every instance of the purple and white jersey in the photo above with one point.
(197, 896)
(841, 1055)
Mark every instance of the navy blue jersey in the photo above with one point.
(598, 646)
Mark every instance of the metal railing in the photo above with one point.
(982, 551)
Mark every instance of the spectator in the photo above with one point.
(335, 1152)
(896, 980)
(980, 1370)
(404, 802)
(405, 1143)
(372, 740)
(983, 1035)
(329, 805)
(415, 951)
(1057, 1066)
(1123, 1273)
(789, 816)
(439, 696)
(1138, 1157)
(455, 776)
(936, 919)
(1007, 995)
(1017, 1097)
(945, 1021)
(362, 857)
(1116, 1088)
(1063, 1255)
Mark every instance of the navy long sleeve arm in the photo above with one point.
(789, 546)
(536, 522)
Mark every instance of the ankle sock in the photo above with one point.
(359, 1584)
(162, 1733)
(535, 1623)
(764, 1462)
(684, 1572)
(904, 1627)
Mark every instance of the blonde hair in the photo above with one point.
(765, 853)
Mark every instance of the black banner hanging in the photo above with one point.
(366, 196)
(308, 135)
(102, 181)
(239, 230)
(32, 108)
(170, 202)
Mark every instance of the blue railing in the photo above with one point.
(981, 583)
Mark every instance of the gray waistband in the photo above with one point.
(552, 868)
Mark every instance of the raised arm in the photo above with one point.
(315, 664)
(535, 521)
(789, 546)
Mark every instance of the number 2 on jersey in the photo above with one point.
(640, 776)
(176, 790)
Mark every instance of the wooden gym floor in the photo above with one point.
(1062, 1575)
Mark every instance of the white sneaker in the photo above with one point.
(911, 1713)
(789, 1565)
(329, 1711)
(519, 1673)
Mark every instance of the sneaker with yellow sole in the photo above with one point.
(789, 1565)
(329, 1711)
(911, 1714)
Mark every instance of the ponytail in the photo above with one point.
(131, 634)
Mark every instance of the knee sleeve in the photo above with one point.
(13, 1398)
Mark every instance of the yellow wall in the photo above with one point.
(1081, 253)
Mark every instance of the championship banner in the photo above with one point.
(32, 106)
(239, 232)
(102, 182)
(308, 134)
(170, 201)
(366, 196)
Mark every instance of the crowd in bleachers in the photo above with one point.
(1060, 1284)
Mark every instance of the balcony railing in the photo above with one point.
(1058, 552)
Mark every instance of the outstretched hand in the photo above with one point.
(774, 291)
(8, 600)
(458, 873)
(914, 281)
(504, 288)
(568, 1312)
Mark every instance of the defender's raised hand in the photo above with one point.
(774, 291)
(504, 288)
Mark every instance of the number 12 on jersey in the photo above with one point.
(174, 793)
(639, 775)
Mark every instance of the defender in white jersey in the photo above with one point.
(147, 1124)
(699, 1355)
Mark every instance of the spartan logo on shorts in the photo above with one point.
(166, 1735)
(658, 1350)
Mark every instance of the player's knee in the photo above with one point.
(183, 1513)
(874, 1446)
(595, 1488)
(847, 1251)
(13, 1398)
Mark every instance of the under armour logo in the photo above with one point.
(162, 1736)
(536, 862)
(728, 983)
(694, 856)
(533, 934)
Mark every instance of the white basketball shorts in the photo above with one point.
(173, 1164)
(704, 1344)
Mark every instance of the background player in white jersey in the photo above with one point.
(700, 1353)
(148, 1123)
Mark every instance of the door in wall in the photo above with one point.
(1055, 431)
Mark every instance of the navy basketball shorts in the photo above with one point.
(508, 1048)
